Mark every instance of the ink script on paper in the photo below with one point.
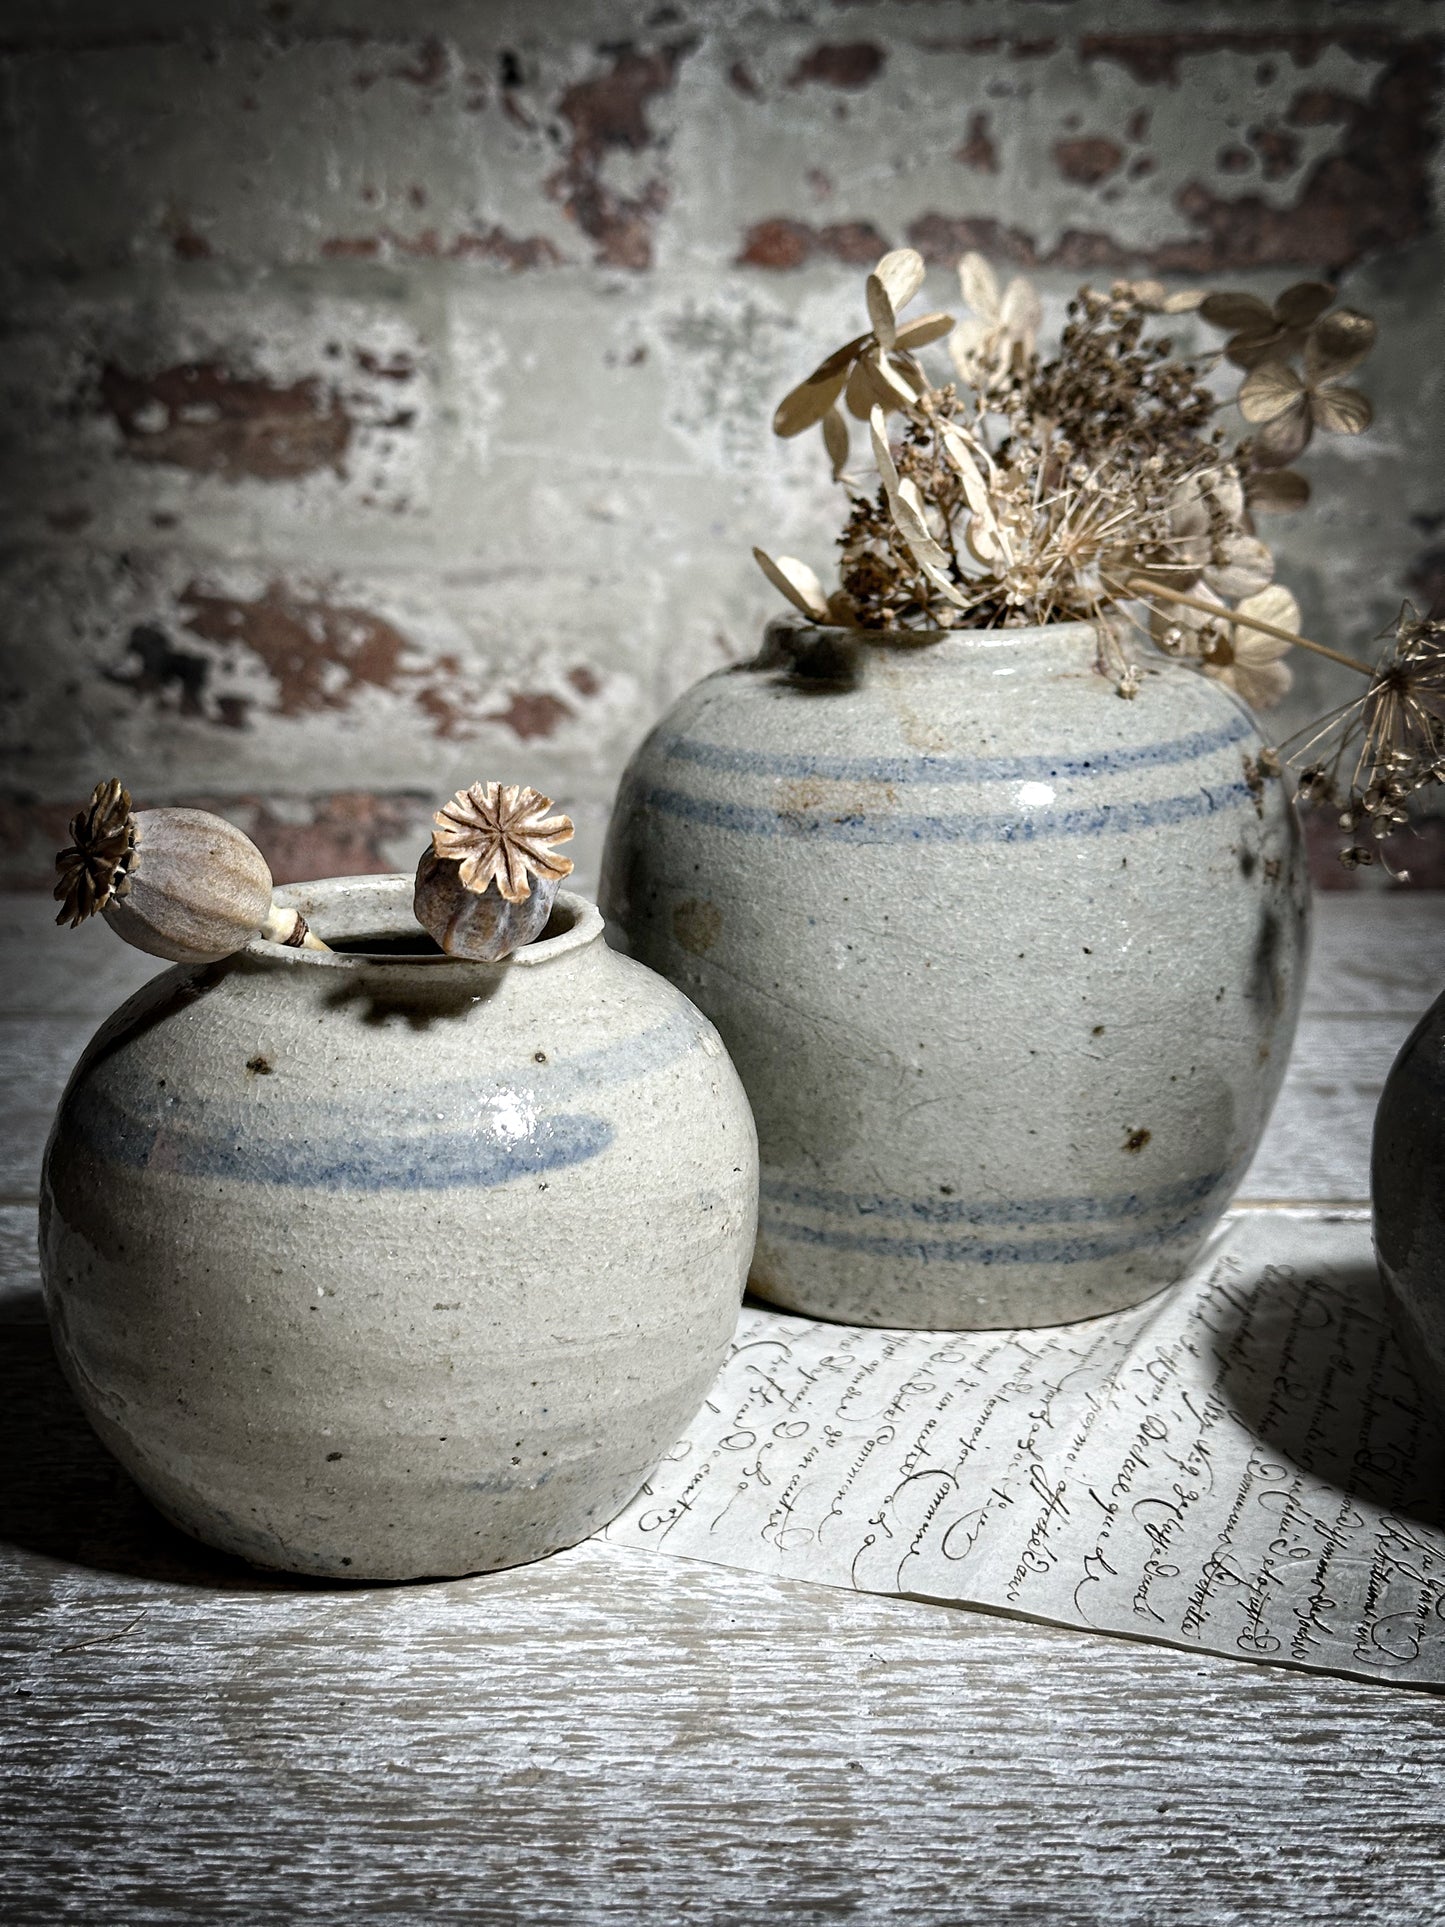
(1243, 1465)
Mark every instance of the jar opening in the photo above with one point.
(368, 919)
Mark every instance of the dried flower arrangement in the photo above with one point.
(1097, 485)
(190, 887)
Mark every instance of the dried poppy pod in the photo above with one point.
(179, 884)
(487, 884)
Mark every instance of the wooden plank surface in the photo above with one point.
(608, 1737)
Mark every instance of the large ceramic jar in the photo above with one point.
(1407, 1184)
(379, 1265)
(1009, 965)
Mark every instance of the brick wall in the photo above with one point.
(385, 388)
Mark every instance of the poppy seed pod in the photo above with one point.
(487, 884)
(180, 884)
(482, 926)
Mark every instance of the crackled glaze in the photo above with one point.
(1009, 965)
(379, 1267)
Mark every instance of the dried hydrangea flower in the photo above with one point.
(180, 884)
(876, 368)
(487, 884)
(995, 342)
(1289, 405)
(1248, 660)
(1263, 330)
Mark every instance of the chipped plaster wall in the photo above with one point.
(385, 388)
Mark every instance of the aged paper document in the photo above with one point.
(1244, 1465)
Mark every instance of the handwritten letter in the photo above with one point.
(1243, 1465)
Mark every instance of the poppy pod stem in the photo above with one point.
(1148, 590)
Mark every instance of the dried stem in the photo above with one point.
(1147, 589)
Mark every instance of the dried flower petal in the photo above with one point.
(922, 331)
(836, 441)
(1268, 390)
(797, 582)
(1238, 312)
(499, 833)
(1303, 303)
(1344, 411)
(1338, 344)
(810, 401)
(1277, 491)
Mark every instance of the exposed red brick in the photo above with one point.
(1088, 159)
(943, 238)
(610, 112)
(1277, 149)
(1372, 194)
(850, 64)
(1233, 160)
(1153, 58)
(430, 66)
(740, 77)
(1320, 106)
(188, 245)
(303, 643)
(491, 244)
(583, 680)
(201, 416)
(532, 713)
(977, 149)
(781, 243)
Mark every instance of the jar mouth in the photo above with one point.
(819, 650)
(353, 911)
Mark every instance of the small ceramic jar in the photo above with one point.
(377, 1264)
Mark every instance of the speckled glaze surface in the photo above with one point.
(1407, 1185)
(1009, 965)
(379, 1268)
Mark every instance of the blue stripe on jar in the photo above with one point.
(214, 1147)
(956, 769)
(778, 1196)
(1125, 818)
(980, 1251)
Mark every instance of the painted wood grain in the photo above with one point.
(612, 1738)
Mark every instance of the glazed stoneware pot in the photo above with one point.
(1009, 965)
(379, 1265)
(1407, 1184)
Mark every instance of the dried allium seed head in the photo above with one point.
(100, 852)
(501, 833)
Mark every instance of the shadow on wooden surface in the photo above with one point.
(64, 1497)
(1348, 1409)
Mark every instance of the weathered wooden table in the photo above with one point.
(615, 1737)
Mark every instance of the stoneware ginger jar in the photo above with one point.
(1407, 1184)
(379, 1265)
(1008, 965)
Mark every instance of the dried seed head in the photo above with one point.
(501, 832)
(180, 884)
(100, 852)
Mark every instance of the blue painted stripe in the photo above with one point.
(979, 1251)
(1125, 818)
(191, 1141)
(956, 769)
(1023, 1211)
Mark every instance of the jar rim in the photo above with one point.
(380, 905)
